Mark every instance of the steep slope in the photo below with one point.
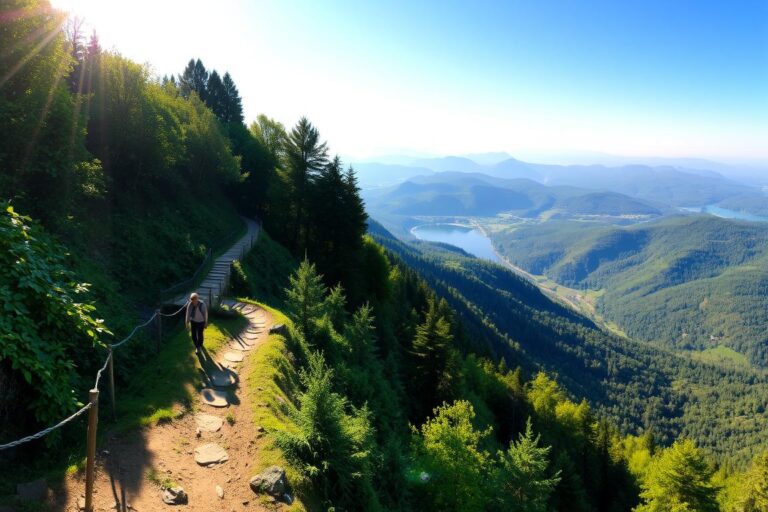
(636, 384)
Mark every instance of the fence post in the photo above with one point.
(210, 297)
(159, 322)
(112, 381)
(90, 465)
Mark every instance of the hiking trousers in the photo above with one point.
(197, 329)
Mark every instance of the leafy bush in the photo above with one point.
(238, 282)
(43, 328)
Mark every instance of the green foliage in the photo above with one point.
(679, 480)
(269, 267)
(692, 282)
(333, 442)
(238, 280)
(752, 487)
(305, 298)
(448, 449)
(521, 477)
(45, 325)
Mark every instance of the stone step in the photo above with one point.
(210, 454)
(208, 422)
(214, 397)
(233, 357)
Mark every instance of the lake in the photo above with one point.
(725, 213)
(472, 240)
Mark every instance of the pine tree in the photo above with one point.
(233, 104)
(305, 297)
(431, 353)
(305, 157)
(521, 477)
(679, 480)
(194, 79)
(216, 97)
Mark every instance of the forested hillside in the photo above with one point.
(691, 283)
(411, 377)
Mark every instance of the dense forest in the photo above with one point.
(692, 283)
(415, 385)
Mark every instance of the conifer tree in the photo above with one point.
(679, 480)
(430, 353)
(233, 104)
(521, 476)
(216, 96)
(305, 157)
(194, 79)
(305, 297)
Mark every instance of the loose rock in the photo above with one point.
(175, 496)
(209, 454)
(219, 492)
(279, 329)
(271, 481)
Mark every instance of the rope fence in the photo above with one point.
(93, 396)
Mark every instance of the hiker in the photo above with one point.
(197, 316)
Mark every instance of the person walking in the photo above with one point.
(197, 318)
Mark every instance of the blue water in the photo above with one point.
(725, 213)
(471, 240)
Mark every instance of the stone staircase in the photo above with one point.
(214, 284)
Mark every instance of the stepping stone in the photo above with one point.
(208, 422)
(222, 379)
(209, 454)
(233, 357)
(247, 310)
(251, 336)
(214, 397)
(238, 346)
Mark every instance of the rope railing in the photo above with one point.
(109, 364)
(87, 406)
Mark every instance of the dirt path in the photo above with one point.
(131, 468)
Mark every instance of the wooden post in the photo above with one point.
(210, 297)
(112, 381)
(90, 465)
(159, 321)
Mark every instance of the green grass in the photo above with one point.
(271, 383)
(165, 389)
(722, 354)
(161, 480)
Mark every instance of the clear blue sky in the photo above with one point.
(662, 78)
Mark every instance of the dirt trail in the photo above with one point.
(168, 451)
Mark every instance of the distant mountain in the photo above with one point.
(673, 186)
(693, 282)
(467, 194)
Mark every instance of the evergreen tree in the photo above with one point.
(305, 297)
(216, 96)
(430, 353)
(305, 157)
(679, 480)
(194, 79)
(521, 477)
(233, 104)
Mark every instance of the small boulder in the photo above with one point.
(279, 329)
(219, 492)
(271, 481)
(175, 496)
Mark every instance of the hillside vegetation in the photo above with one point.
(405, 381)
(688, 282)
